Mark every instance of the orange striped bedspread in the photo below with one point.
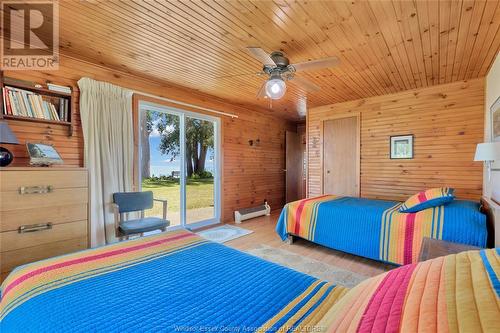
(456, 293)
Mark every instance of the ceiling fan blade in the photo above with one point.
(262, 91)
(316, 64)
(305, 84)
(260, 55)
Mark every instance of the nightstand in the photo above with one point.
(433, 248)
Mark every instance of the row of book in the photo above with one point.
(24, 103)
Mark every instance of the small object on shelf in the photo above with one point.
(6, 136)
(43, 155)
(55, 87)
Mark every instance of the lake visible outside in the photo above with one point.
(164, 172)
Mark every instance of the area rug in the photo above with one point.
(307, 265)
(224, 233)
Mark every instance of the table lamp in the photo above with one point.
(488, 152)
(6, 136)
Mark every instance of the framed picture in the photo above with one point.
(495, 120)
(402, 146)
(43, 155)
(495, 129)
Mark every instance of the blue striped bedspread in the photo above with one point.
(173, 282)
(375, 229)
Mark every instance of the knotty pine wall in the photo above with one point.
(447, 121)
(249, 175)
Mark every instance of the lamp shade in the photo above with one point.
(6, 135)
(275, 87)
(489, 151)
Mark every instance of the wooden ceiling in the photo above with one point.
(384, 46)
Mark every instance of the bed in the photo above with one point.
(179, 282)
(171, 282)
(375, 229)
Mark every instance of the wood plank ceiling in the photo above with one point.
(384, 46)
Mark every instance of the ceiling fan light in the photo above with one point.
(275, 88)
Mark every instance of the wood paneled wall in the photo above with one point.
(447, 121)
(250, 174)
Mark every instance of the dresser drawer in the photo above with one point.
(13, 240)
(52, 206)
(12, 219)
(65, 196)
(13, 180)
(11, 259)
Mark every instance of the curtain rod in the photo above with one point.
(184, 104)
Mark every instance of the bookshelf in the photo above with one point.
(35, 104)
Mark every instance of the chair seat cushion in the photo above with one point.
(143, 225)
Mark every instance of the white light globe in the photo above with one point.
(275, 88)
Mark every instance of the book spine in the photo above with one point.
(45, 111)
(7, 102)
(66, 108)
(4, 92)
(38, 107)
(11, 105)
(61, 109)
(52, 114)
(54, 111)
(22, 107)
(28, 105)
(16, 103)
(56, 116)
(49, 110)
(29, 97)
(33, 106)
(39, 101)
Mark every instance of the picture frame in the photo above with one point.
(43, 155)
(495, 128)
(495, 120)
(401, 146)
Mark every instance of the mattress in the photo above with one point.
(375, 229)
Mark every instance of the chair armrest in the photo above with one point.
(164, 207)
(116, 213)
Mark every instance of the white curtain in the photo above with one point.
(106, 114)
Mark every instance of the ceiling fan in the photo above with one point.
(278, 69)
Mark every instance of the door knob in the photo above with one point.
(327, 171)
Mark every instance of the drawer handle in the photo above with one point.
(36, 189)
(34, 227)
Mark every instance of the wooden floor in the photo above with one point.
(264, 233)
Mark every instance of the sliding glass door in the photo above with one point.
(200, 169)
(179, 161)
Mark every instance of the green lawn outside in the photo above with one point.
(199, 193)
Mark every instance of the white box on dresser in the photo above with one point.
(43, 213)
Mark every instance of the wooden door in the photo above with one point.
(341, 156)
(294, 166)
